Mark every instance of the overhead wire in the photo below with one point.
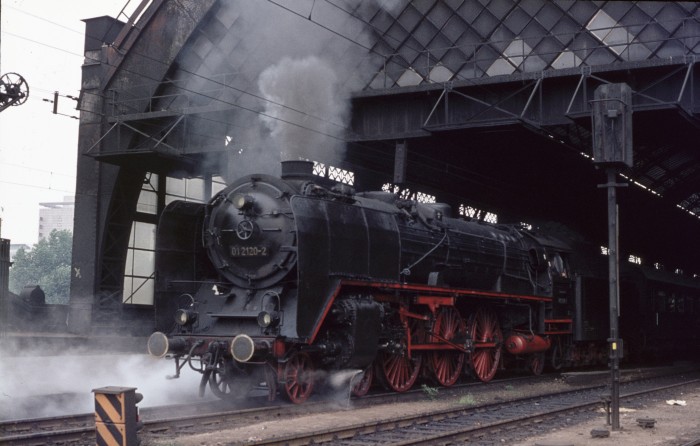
(214, 98)
(37, 187)
(233, 104)
(380, 153)
(262, 98)
(390, 37)
(192, 91)
(35, 169)
(265, 99)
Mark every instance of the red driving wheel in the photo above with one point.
(447, 365)
(536, 363)
(298, 378)
(485, 332)
(363, 382)
(399, 370)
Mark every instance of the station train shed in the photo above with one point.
(481, 104)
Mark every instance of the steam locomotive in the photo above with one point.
(284, 280)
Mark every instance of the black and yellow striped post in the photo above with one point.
(116, 416)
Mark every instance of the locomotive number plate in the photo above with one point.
(248, 251)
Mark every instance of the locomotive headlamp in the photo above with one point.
(242, 202)
(267, 319)
(184, 317)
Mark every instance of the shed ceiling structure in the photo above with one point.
(486, 104)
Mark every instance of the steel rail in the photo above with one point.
(81, 428)
(455, 431)
(461, 434)
(76, 427)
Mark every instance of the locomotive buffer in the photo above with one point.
(612, 149)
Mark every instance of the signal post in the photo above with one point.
(612, 149)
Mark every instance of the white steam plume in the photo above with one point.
(306, 111)
(26, 379)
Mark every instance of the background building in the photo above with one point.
(57, 215)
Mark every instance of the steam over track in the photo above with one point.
(523, 407)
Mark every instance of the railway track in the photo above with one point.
(503, 421)
(175, 422)
(79, 429)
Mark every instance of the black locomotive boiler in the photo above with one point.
(283, 280)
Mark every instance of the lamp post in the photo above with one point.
(612, 149)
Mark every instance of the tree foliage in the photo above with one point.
(47, 264)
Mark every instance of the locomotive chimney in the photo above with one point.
(297, 169)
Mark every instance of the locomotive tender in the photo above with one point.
(283, 280)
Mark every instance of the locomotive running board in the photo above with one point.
(438, 291)
(432, 296)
